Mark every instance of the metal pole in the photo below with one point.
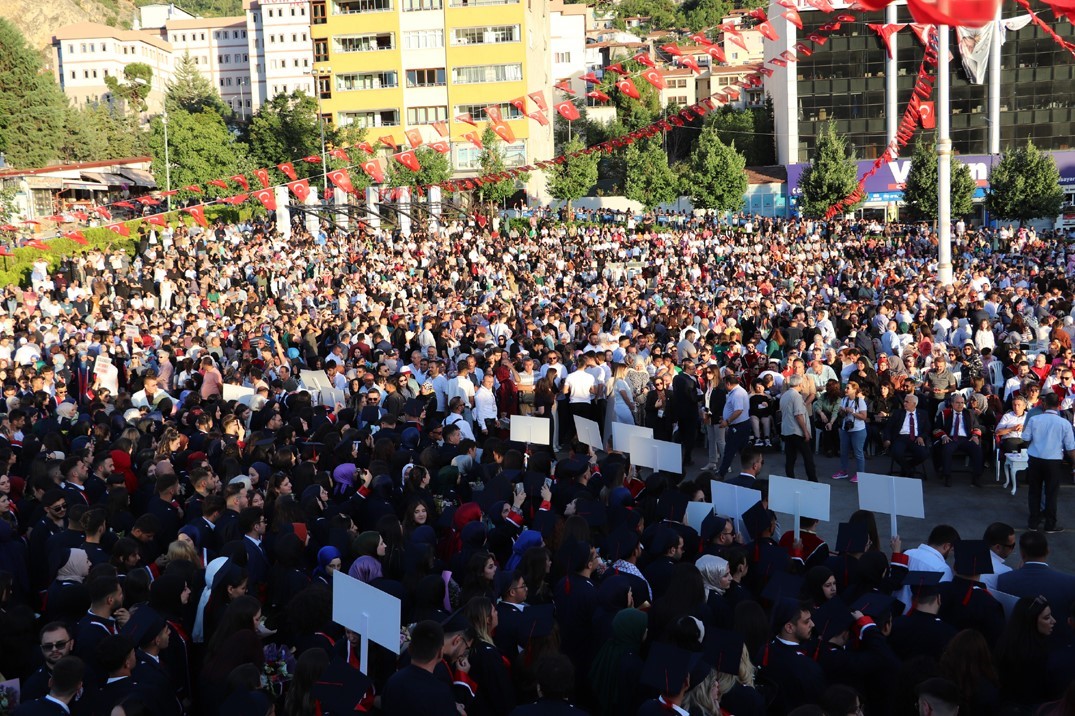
(944, 161)
(994, 88)
(318, 74)
(891, 118)
(167, 163)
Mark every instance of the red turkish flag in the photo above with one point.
(408, 159)
(474, 139)
(198, 213)
(366, 147)
(716, 53)
(766, 29)
(701, 39)
(598, 95)
(922, 31)
(373, 168)
(643, 58)
(885, 32)
(301, 189)
(689, 62)
(563, 86)
(655, 78)
(927, 115)
(38, 244)
(146, 200)
(465, 117)
(964, 13)
(539, 100)
(414, 136)
(77, 237)
(235, 200)
(823, 5)
(568, 110)
(539, 117)
(312, 159)
(388, 140)
(339, 154)
(440, 146)
(193, 188)
(793, 17)
(241, 181)
(617, 68)
(263, 177)
(591, 78)
(493, 113)
(519, 103)
(289, 169)
(157, 220)
(672, 49)
(342, 179)
(442, 128)
(803, 49)
(738, 40)
(504, 132)
(778, 62)
(267, 197)
(103, 213)
(628, 88)
(120, 228)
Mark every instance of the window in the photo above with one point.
(426, 78)
(677, 84)
(71, 49)
(423, 39)
(426, 115)
(350, 7)
(367, 80)
(364, 43)
(485, 35)
(317, 13)
(477, 74)
(83, 47)
(228, 81)
(479, 3)
(477, 111)
(221, 81)
(320, 50)
(73, 74)
(375, 118)
(220, 59)
(562, 57)
(417, 5)
(468, 156)
(678, 100)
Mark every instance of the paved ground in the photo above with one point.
(967, 508)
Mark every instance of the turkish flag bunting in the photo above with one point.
(539, 117)
(312, 159)
(77, 237)
(263, 176)
(300, 188)
(701, 38)
(845, 18)
(822, 5)
(789, 56)
(267, 197)
(103, 213)
(599, 95)
(120, 228)
(689, 62)
(591, 78)
(340, 154)
(466, 118)
(388, 141)
(198, 212)
(235, 200)
(731, 29)
(927, 115)
(441, 128)
(38, 244)
(886, 31)
(732, 94)
(408, 159)
(655, 78)
(643, 59)
(758, 14)
(672, 49)
(147, 200)
(474, 139)
(803, 49)
(776, 61)
(568, 110)
(792, 15)
(156, 219)
(373, 168)
(563, 86)
(193, 188)
(716, 53)
(342, 179)
(414, 136)
(539, 100)
(241, 181)
(289, 169)
(493, 113)
(738, 40)
(618, 69)
(366, 147)
(441, 146)
(766, 29)
(504, 132)
(519, 103)
(817, 37)
(964, 13)
(922, 31)
(628, 88)
(219, 183)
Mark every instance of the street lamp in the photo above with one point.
(318, 74)
(167, 163)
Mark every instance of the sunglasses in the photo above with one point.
(55, 645)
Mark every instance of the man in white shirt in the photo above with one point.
(580, 388)
(485, 409)
(456, 407)
(932, 556)
(736, 418)
(461, 386)
(1001, 540)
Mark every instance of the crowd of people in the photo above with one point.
(201, 435)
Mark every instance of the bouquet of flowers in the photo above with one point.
(279, 668)
(9, 696)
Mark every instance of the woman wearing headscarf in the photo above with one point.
(329, 561)
(365, 569)
(68, 598)
(170, 595)
(716, 578)
(198, 633)
(617, 666)
(527, 540)
(465, 514)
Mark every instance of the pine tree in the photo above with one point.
(32, 107)
(97, 131)
(135, 87)
(191, 91)
(716, 175)
(831, 176)
(920, 190)
(649, 179)
(1025, 185)
(575, 177)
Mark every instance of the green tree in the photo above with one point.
(831, 176)
(7, 203)
(433, 168)
(98, 131)
(750, 130)
(700, 14)
(574, 178)
(32, 106)
(1025, 185)
(491, 161)
(661, 13)
(191, 91)
(135, 87)
(200, 148)
(920, 190)
(716, 175)
(649, 181)
(286, 127)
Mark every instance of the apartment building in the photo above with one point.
(279, 39)
(218, 46)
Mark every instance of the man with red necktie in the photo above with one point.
(958, 434)
(907, 435)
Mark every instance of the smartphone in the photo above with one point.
(548, 482)
(519, 488)
(355, 445)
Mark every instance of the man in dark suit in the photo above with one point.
(252, 524)
(64, 685)
(555, 677)
(907, 435)
(686, 396)
(414, 690)
(115, 657)
(750, 462)
(1036, 578)
(958, 433)
(163, 504)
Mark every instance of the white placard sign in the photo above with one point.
(696, 514)
(107, 374)
(799, 498)
(669, 456)
(622, 435)
(733, 500)
(643, 452)
(237, 392)
(528, 429)
(333, 396)
(373, 614)
(314, 380)
(588, 431)
(892, 495)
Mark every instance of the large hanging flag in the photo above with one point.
(198, 213)
(886, 32)
(342, 179)
(301, 189)
(568, 110)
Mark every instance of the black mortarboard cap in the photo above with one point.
(144, 626)
(757, 520)
(972, 558)
(831, 619)
(875, 605)
(455, 623)
(414, 407)
(340, 688)
(502, 582)
(576, 555)
(668, 668)
(723, 650)
(570, 469)
(712, 526)
(785, 609)
(941, 689)
(851, 538)
(672, 505)
(620, 544)
(537, 621)
(783, 584)
(592, 511)
(923, 584)
(664, 538)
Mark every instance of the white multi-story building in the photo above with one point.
(567, 33)
(279, 39)
(219, 48)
